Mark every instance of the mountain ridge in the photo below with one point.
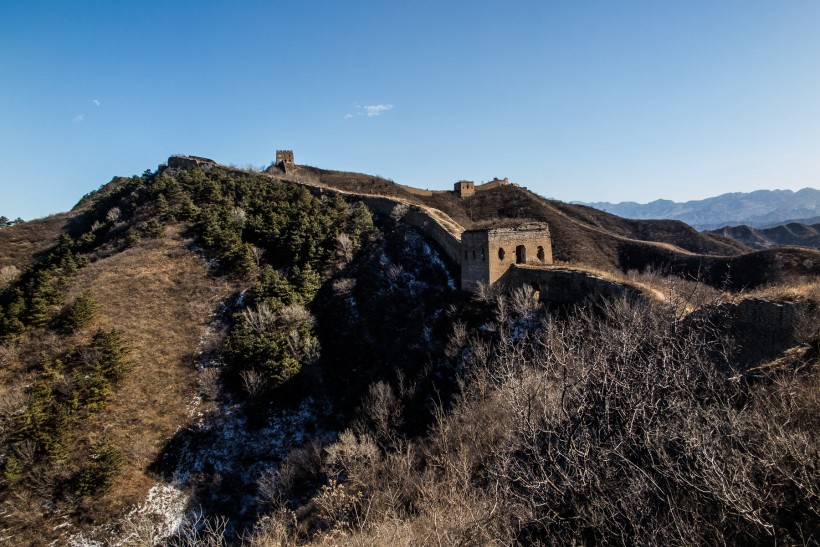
(758, 209)
(789, 234)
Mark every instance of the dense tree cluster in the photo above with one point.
(284, 237)
(69, 390)
(33, 299)
(82, 312)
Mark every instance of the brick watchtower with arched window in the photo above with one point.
(488, 254)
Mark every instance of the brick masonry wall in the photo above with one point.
(564, 286)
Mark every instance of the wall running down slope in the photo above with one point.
(490, 265)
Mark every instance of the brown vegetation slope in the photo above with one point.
(20, 244)
(512, 202)
(160, 296)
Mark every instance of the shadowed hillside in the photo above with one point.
(792, 234)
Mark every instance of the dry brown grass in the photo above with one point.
(20, 244)
(161, 297)
(807, 288)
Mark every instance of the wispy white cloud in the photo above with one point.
(79, 117)
(96, 102)
(376, 109)
(369, 110)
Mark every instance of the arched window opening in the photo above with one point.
(540, 253)
(473, 254)
(520, 255)
(501, 253)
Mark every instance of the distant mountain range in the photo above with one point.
(793, 233)
(759, 209)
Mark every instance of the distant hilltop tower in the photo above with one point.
(284, 158)
(464, 188)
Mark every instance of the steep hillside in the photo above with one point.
(24, 242)
(159, 296)
(792, 234)
(21, 243)
(104, 357)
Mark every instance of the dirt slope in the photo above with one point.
(161, 297)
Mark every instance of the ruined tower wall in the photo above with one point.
(464, 188)
(475, 259)
(285, 157)
(190, 162)
(509, 246)
(487, 255)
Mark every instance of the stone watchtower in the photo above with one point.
(284, 158)
(488, 254)
(464, 188)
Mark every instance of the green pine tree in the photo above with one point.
(82, 312)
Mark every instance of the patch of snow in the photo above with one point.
(436, 260)
(240, 301)
(156, 518)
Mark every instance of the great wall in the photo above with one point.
(522, 256)
(507, 257)
(483, 256)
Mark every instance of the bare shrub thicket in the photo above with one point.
(621, 424)
(197, 530)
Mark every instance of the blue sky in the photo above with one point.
(577, 100)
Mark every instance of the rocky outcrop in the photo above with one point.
(190, 162)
